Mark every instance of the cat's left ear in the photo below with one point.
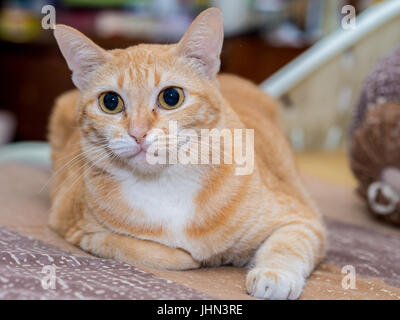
(83, 56)
(202, 42)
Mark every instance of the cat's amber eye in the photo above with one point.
(111, 103)
(171, 98)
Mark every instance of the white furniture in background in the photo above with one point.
(319, 89)
(36, 153)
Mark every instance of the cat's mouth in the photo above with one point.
(139, 153)
(142, 152)
(140, 156)
(131, 151)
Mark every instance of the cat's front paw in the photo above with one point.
(274, 284)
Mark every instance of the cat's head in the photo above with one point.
(129, 95)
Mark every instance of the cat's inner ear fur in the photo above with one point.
(83, 56)
(202, 42)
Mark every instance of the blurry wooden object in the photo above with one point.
(7, 126)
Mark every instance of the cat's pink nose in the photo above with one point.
(139, 136)
(138, 130)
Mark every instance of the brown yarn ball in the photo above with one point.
(375, 161)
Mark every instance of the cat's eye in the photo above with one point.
(111, 103)
(171, 98)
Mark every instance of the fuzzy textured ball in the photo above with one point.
(375, 139)
(375, 161)
(381, 86)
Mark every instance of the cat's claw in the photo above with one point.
(274, 284)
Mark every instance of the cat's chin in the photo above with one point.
(139, 165)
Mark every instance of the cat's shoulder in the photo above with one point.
(244, 95)
(67, 98)
(63, 118)
(229, 80)
(64, 107)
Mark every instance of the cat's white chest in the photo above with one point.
(168, 201)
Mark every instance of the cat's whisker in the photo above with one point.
(75, 160)
(91, 165)
(69, 164)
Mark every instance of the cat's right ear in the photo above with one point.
(83, 56)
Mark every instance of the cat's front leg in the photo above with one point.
(138, 252)
(285, 260)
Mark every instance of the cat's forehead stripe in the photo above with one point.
(121, 80)
(130, 73)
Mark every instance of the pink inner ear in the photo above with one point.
(82, 55)
(203, 42)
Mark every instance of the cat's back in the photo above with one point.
(247, 100)
(259, 112)
(63, 122)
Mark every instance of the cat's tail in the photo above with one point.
(63, 120)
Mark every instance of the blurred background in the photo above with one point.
(262, 36)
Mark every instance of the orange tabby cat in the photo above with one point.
(108, 199)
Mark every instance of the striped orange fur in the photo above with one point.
(177, 216)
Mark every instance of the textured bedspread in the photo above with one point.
(37, 264)
(31, 269)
